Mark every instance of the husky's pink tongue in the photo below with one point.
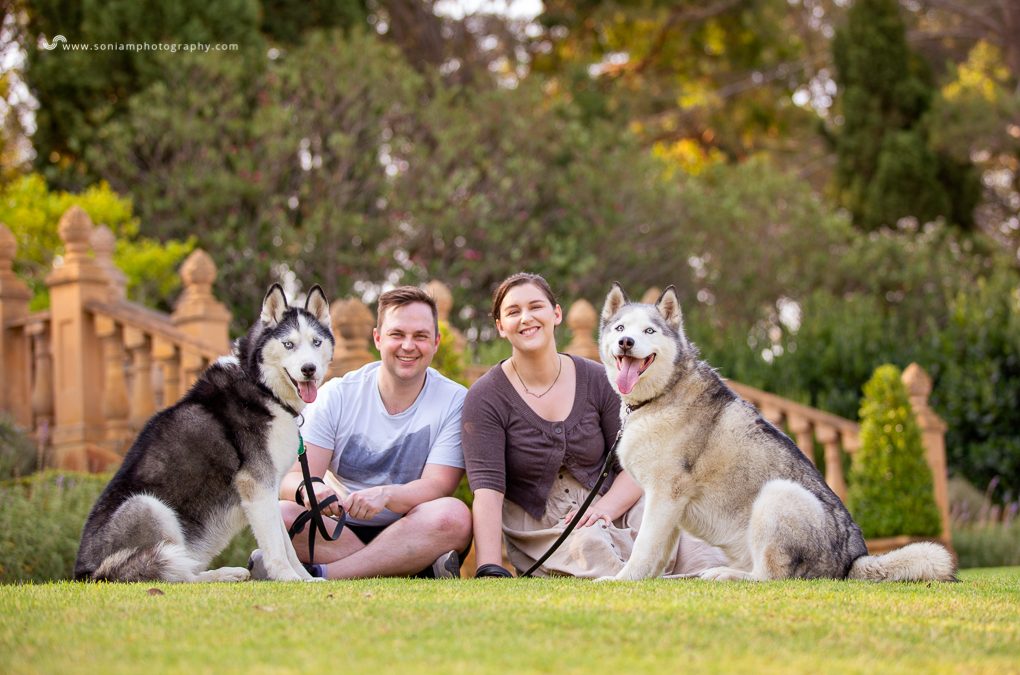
(630, 370)
(307, 391)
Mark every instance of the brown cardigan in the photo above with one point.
(510, 449)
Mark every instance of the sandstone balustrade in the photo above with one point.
(15, 344)
(85, 375)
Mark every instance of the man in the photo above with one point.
(390, 433)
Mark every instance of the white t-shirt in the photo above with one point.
(372, 447)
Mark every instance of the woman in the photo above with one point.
(535, 431)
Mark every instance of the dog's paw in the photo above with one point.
(225, 574)
(600, 580)
(725, 574)
(633, 573)
(313, 579)
(281, 571)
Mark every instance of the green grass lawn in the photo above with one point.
(494, 625)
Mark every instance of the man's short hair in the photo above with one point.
(405, 295)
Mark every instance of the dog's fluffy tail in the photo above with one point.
(923, 561)
(165, 561)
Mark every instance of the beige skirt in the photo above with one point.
(596, 551)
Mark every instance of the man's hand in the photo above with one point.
(323, 491)
(365, 504)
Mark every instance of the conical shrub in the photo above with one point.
(891, 490)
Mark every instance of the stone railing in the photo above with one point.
(148, 363)
(839, 438)
(85, 375)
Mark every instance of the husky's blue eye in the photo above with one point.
(316, 342)
(288, 344)
(620, 327)
(650, 331)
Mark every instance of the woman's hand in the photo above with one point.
(594, 514)
(617, 501)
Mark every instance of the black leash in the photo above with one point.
(314, 512)
(584, 507)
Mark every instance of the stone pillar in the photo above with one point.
(933, 436)
(42, 389)
(77, 355)
(103, 243)
(15, 355)
(115, 397)
(581, 320)
(800, 427)
(168, 355)
(198, 312)
(651, 295)
(444, 305)
(829, 438)
(143, 399)
(352, 328)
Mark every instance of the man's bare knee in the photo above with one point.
(290, 511)
(447, 516)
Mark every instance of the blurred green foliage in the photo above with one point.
(32, 212)
(975, 362)
(80, 91)
(41, 519)
(887, 168)
(449, 359)
(237, 551)
(18, 456)
(272, 171)
(991, 545)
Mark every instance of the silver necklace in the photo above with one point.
(528, 391)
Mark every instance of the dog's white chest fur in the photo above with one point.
(675, 465)
(636, 452)
(283, 441)
(654, 451)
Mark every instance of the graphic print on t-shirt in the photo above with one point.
(396, 465)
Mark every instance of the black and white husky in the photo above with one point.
(204, 467)
(710, 464)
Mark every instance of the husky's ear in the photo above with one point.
(274, 305)
(669, 307)
(614, 301)
(317, 305)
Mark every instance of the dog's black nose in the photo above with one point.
(308, 370)
(626, 343)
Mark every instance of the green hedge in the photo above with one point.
(991, 545)
(41, 517)
(891, 489)
(17, 451)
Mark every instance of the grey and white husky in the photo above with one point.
(212, 462)
(710, 464)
